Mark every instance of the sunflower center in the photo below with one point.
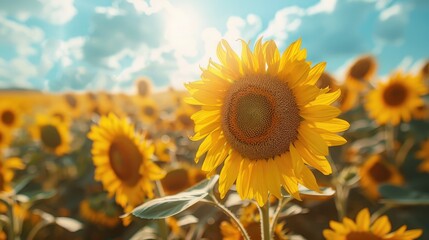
(71, 100)
(360, 69)
(361, 236)
(395, 94)
(125, 159)
(149, 111)
(8, 117)
(50, 136)
(260, 117)
(379, 172)
(176, 181)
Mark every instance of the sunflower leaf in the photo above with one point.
(171, 205)
(402, 196)
(168, 206)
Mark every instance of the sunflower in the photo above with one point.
(52, 133)
(183, 119)
(264, 118)
(7, 172)
(394, 100)
(164, 147)
(327, 80)
(424, 71)
(421, 112)
(348, 99)
(73, 103)
(122, 161)
(144, 86)
(148, 110)
(99, 215)
(363, 229)
(5, 137)
(178, 179)
(423, 154)
(376, 171)
(361, 72)
(9, 115)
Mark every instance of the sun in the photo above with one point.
(263, 117)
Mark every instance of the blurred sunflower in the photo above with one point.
(144, 86)
(375, 171)
(348, 99)
(60, 112)
(394, 100)
(7, 172)
(230, 232)
(122, 161)
(424, 71)
(73, 103)
(183, 119)
(99, 215)
(164, 147)
(10, 116)
(263, 116)
(326, 80)
(148, 110)
(5, 137)
(178, 179)
(421, 112)
(52, 133)
(361, 72)
(423, 154)
(363, 229)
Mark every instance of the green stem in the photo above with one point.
(264, 211)
(162, 224)
(282, 202)
(11, 232)
(380, 212)
(403, 151)
(390, 141)
(36, 229)
(227, 212)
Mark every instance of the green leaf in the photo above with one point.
(402, 196)
(167, 206)
(324, 192)
(35, 195)
(171, 205)
(22, 183)
(72, 225)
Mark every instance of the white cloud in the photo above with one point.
(326, 6)
(16, 72)
(19, 36)
(56, 12)
(392, 23)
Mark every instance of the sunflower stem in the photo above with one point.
(264, 211)
(162, 224)
(380, 212)
(227, 212)
(282, 202)
(9, 206)
(403, 151)
(390, 141)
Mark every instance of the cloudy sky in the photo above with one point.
(106, 44)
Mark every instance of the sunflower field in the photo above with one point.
(264, 146)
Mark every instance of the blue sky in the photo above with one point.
(105, 45)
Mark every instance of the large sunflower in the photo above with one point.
(122, 161)
(375, 171)
(264, 118)
(395, 99)
(363, 229)
(52, 133)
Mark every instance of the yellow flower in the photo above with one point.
(144, 86)
(264, 118)
(394, 100)
(423, 154)
(52, 133)
(348, 99)
(327, 80)
(376, 171)
(363, 229)
(421, 112)
(164, 147)
(9, 115)
(7, 172)
(361, 72)
(122, 161)
(5, 137)
(183, 119)
(99, 216)
(148, 110)
(178, 179)
(230, 232)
